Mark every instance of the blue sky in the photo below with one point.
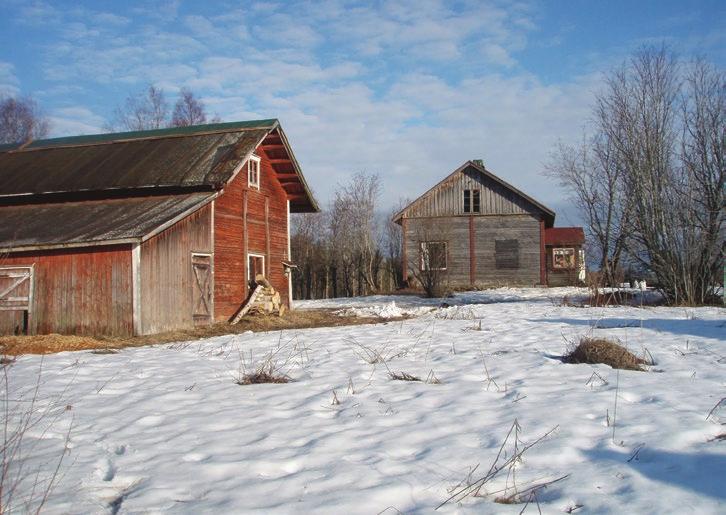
(407, 89)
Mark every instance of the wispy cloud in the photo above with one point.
(9, 83)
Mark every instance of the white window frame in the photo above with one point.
(253, 170)
(566, 251)
(423, 247)
(264, 267)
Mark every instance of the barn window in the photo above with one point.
(563, 258)
(255, 267)
(433, 255)
(16, 296)
(472, 203)
(506, 254)
(253, 172)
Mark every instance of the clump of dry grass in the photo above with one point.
(403, 376)
(601, 350)
(266, 373)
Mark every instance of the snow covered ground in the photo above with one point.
(166, 428)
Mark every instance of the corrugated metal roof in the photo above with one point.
(199, 157)
(71, 224)
(564, 236)
(194, 160)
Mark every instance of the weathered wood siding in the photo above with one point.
(167, 280)
(447, 198)
(486, 231)
(247, 220)
(82, 291)
(524, 229)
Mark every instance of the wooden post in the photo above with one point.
(267, 235)
(245, 242)
(542, 255)
(404, 259)
(472, 252)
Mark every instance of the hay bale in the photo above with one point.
(600, 350)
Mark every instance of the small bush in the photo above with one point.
(600, 350)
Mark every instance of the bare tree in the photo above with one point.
(21, 120)
(353, 233)
(143, 111)
(661, 125)
(188, 110)
(593, 176)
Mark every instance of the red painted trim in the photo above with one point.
(472, 252)
(542, 254)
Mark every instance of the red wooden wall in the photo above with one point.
(78, 291)
(247, 220)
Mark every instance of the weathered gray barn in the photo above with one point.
(478, 230)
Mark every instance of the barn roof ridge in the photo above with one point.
(116, 137)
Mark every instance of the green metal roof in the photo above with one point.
(92, 139)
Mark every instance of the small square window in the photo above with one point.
(433, 255)
(563, 258)
(253, 172)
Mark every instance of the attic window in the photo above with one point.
(253, 172)
(471, 201)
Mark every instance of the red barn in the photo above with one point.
(142, 232)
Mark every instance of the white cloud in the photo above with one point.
(9, 83)
(357, 87)
(75, 120)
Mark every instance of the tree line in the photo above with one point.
(349, 249)
(650, 177)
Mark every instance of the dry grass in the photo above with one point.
(601, 350)
(262, 377)
(297, 319)
(403, 376)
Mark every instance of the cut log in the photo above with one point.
(247, 305)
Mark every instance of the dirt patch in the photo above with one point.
(297, 319)
(600, 350)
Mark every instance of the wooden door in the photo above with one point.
(202, 289)
(16, 298)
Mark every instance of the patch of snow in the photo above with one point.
(166, 428)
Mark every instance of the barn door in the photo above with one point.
(202, 289)
(16, 298)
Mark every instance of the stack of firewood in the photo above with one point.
(264, 299)
(267, 300)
